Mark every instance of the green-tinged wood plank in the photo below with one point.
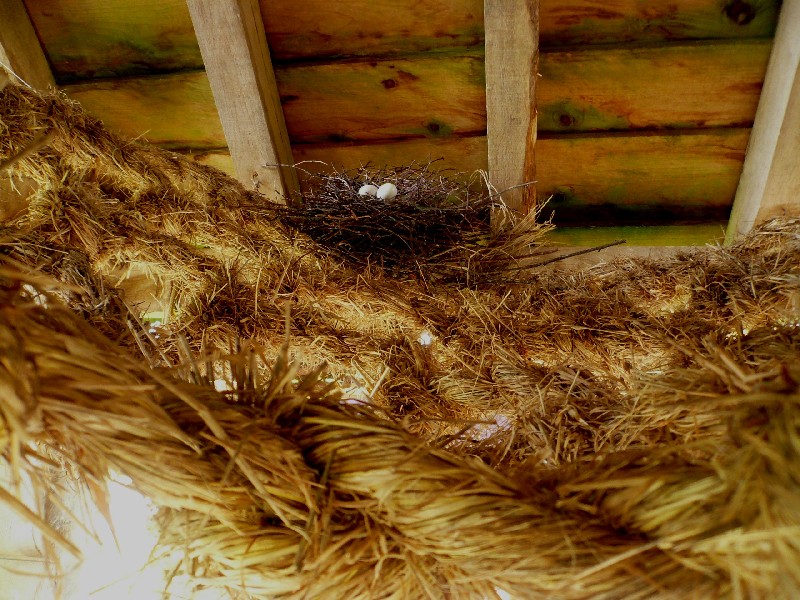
(303, 29)
(672, 86)
(174, 111)
(695, 173)
(438, 97)
(306, 29)
(89, 38)
(667, 235)
(694, 169)
(433, 97)
(586, 22)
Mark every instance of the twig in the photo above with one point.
(579, 252)
(558, 258)
(565, 256)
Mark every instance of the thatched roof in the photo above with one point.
(627, 431)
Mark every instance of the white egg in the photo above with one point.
(368, 190)
(387, 191)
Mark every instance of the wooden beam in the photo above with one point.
(20, 51)
(512, 50)
(770, 182)
(234, 48)
(443, 95)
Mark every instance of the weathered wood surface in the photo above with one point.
(583, 22)
(173, 111)
(672, 86)
(438, 97)
(20, 51)
(388, 99)
(693, 172)
(512, 59)
(89, 38)
(239, 68)
(770, 182)
(307, 29)
(461, 155)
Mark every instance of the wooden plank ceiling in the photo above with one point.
(644, 109)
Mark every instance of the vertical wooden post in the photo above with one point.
(512, 56)
(234, 48)
(22, 57)
(20, 51)
(770, 182)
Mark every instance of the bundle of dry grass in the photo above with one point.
(280, 489)
(228, 270)
(638, 420)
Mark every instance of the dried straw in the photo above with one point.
(281, 489)
(647, 413)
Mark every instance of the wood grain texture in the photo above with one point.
(512, 58)
(307, 29)
(173, 111)
(586, 22)
(694, 172)
(85, 39)
(672, 86)
(20, 51)
(457, 155)
(770, 183)
(425, 96)
(438, 97)
(592, 259)
(239, 67)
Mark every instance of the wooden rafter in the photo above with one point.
(21, 57)
(512, 49)
(770, 182)
(236, 56)
(20, 51)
